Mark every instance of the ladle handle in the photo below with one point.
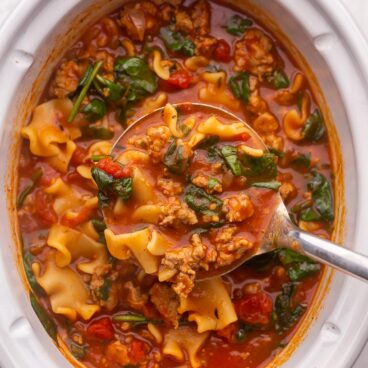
(324, 251)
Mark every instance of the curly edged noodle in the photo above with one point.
(46, 137)
(65, 287)
(182, 340)
(209, 304)
(67, 291)
(102, 148)
(170, 118)
(67, 201)
(72, 245)
(215, 90)
(161, 67)
(293, 121)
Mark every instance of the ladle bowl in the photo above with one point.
(280, 232)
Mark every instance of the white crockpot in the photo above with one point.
(338, 55)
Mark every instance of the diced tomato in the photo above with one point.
(43, 207)
(82, 216)
(79, 156)
(137, 351)
(101, 329)
(48, 175)
(113, 168)
(222, 51)
(255, 308)
(180, 79)
(228, 332)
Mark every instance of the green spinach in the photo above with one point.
(230, 156)
(86, 82)
(78, 351)
(95, 110)
(200, 201)
(177, 157)
(239, 86)
(237, 25)
(96, 132)
(298, 266)
(177, 42)
(46, 321)
(284, 316)
(274, 185)
(314, 128)
(279, 79)
(323, 208)
(259, 167)
(36, 176)
(139, 79)
(109, 186)
(135, 319)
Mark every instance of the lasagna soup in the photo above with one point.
(116, 241)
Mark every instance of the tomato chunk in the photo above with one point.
(137, 351)
(101, 329)
(222, 51)
(79, 156)
(180, 79)
(255, 308)
(43, 207)
(84, 215)
(113, 168)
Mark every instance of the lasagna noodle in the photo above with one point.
(209, 305)
(68, 294)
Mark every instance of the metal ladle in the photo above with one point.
(280, 232)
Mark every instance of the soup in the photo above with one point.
(113, 241)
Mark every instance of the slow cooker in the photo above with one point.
(31, 42)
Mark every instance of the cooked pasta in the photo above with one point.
(119, 237)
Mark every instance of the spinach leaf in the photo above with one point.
(253, 167)
(104, 290)
(175, 41)
(298, 266)
(95, 110)
(200, 201)
(109, 186)
(86, 81)
(94, 132)
(239, 86)
(274, 185)
(302, 270)
(111, 90)
(212, 182)
(322, 196)
(177, 157)
(237, 25)
(78, 351)
(278, 79)
(138, 78)
(46, 321)
(27, 262)
(209, 141)
(301, 161)
(100, 226)
(310, 214)
(135, 319)
(284, 315)
(230, 156)
(314, 128)
(36, 176)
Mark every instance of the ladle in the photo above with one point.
(280, 232)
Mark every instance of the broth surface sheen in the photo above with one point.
(186, 192)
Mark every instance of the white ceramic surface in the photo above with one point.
(328, 36)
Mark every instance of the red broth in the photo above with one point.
(271, 293)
